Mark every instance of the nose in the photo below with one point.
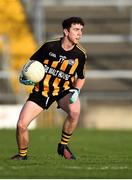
(80, 33)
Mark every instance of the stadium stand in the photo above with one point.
(21, 43)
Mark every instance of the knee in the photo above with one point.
(21, 126)
(74, 114)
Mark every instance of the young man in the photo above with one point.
(63, 59)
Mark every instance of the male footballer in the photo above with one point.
(64, 61)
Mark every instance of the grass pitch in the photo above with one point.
(100, 154)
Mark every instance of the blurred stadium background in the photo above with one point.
(107, 95)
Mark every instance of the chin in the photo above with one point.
(76, 42)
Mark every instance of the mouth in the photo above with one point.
(77, 39)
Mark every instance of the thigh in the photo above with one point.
(29, 111)
(68, 107)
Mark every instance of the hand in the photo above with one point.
(75, 92)
(25, 81)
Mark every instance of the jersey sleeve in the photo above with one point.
(80, 69)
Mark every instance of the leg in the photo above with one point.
(73, 111)
(29, 111)
(70, 123)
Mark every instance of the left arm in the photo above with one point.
(79, 83)
(76, 91)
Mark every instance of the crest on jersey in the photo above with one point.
(71, 61)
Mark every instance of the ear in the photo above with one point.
(65, 32)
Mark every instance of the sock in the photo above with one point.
(23, 151)
(65, 138)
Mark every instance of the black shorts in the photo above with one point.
(43, 101)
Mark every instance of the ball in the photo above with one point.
(34, 71)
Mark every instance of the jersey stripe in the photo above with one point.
(72, 70)
(66, 85)
(73, 79)
(56, 87)
(54, 64)
(46, 85)
(64, 65)
(46, 61)
(53, 78)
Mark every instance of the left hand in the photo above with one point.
(75, 93)
(25, 81)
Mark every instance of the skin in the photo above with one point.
(31, 110)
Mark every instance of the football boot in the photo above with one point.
(18, 157)
(64, 151)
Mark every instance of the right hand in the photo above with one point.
(25, 81)
(75, 93)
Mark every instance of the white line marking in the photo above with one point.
(98, 168)
(17, 167)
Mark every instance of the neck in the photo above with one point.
(66, 44)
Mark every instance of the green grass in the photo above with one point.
(100, 154)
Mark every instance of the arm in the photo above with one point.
(79, 82)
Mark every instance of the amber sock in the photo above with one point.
(65, 138)
(23, 151)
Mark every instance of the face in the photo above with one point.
(74, 34)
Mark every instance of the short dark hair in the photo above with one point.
(66, 24)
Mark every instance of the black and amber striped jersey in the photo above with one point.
(61, 67)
